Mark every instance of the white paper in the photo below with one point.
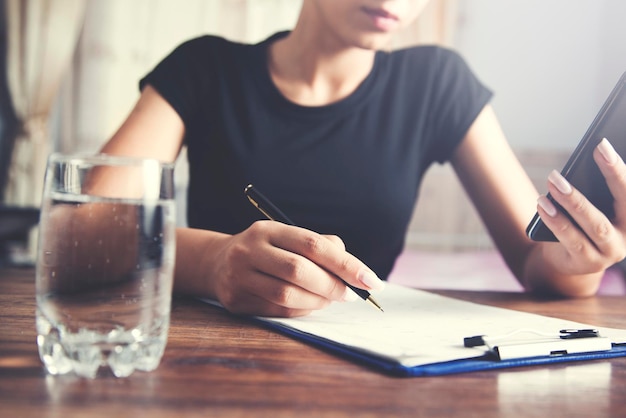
(420, 328)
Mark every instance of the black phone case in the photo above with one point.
(581, 170)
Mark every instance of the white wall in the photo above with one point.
(551, 63)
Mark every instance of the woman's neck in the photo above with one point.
(311, 73)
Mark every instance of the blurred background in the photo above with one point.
(69, 72)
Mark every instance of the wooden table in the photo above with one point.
(216, 364)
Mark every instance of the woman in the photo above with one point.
(339, 134)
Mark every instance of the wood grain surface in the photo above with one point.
(217, 364)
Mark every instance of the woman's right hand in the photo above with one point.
(273, 269)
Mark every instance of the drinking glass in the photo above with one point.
(105, 264)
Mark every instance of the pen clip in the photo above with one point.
(255, 203)
(265, 206)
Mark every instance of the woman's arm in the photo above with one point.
(152, 130)
(506, 201)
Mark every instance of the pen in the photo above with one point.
(272, 212)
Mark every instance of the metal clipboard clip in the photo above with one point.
(567, 341)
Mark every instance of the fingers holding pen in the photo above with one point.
(297, 266)
(331, 257)
(315, 263)
(269, 296)
(256, 277)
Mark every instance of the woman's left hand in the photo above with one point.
(599, 242)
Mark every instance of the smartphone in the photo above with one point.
(581, 170)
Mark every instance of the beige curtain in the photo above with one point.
(42, 35)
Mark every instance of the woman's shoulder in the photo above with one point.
(212, 41)
(211, 53)
(207, 43)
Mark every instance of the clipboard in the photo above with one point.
(422, 334)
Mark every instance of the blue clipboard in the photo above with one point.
(424, 334)
(488, 361)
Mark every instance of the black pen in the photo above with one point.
(272, 212)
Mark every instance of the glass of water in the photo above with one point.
(105, 264)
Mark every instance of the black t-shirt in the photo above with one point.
(351, 168)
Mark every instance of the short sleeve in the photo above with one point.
(181, 77)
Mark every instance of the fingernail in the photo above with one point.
(349, 295)
(559, 182)
(607, 151)
(371, 280)
(547, 205)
